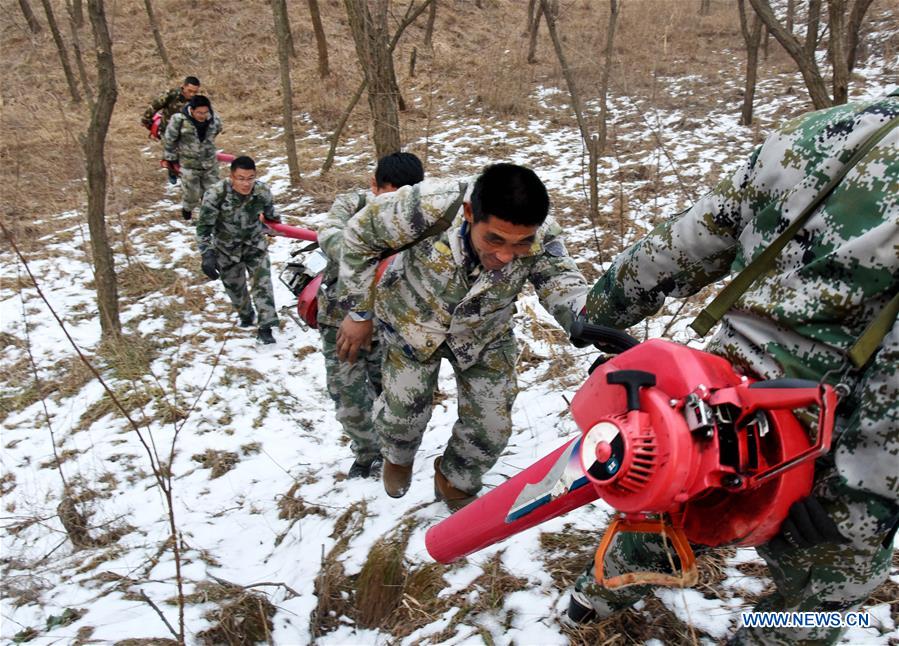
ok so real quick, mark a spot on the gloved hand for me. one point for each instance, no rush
(807, 525)
(210, 264)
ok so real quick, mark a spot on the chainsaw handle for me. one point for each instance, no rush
(607, 339)
(786, 394)
(289, 231)
(689, 574)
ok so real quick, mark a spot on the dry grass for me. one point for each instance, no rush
(219, 462)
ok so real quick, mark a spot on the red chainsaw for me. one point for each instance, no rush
(677, 442)
(303, 276)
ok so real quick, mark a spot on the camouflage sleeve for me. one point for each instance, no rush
(330, 234)
(867, 452)
(156, 105)
(171, 137)
(389, 221)
(209, 212)
(677, 258)
(560, 285)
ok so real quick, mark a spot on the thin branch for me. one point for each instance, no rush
(143, 595)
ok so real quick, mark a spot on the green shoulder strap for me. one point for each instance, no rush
(713, 312)
(863, 349)
(439, 226)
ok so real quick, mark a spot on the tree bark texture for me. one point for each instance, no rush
(282, 31)
(532, 33)
(791, 15)
(853, 31)
(77, 9)
(79, 59)
(369, 30)
(30, 18)
(429, 27)
(95, 156)
(803, 55)
(157, 37)
(61, 49)
(323, 70)
(837, 50)
(751, 37)
(606, 73)
(589, 141)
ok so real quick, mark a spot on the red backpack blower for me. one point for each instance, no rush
(677, 442)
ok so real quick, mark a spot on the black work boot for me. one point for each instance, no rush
(579, 609)
(365, 469)
(265, 336)
(248, 320)
(186, 214)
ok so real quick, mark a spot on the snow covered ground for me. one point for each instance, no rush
(261, 421)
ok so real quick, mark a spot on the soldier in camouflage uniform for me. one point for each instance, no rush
(233, 244)
(189, 140)
(170, 103)
(798, 320)
(451, 296)
(355, 386)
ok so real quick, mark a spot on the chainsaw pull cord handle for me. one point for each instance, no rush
(688, 576)
(633, 381)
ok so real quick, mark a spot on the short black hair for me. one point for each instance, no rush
(399, 169)
(200, 101)
(243, 163)
(512, 193)
(191, 80)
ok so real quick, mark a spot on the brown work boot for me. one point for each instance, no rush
(396, 478)
(454, 498)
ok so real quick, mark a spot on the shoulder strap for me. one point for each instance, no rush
(439, 226)
(713, 312)
(865, 346)
(360, 204)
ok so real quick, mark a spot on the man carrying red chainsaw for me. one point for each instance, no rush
(167, 104)
(471, 247)
(355, 386)
(823, 308)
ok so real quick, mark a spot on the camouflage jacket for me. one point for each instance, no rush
(826, 285)
(426, 296)
(330, 239)
(182, 144)
(229, 221)
(168, 103)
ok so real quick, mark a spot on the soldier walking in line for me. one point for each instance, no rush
(168, 104)
(832, 288)
(355, 386)
(451, 296)
(233, 244)
(189, 141)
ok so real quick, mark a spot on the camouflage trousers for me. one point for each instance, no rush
(823, 578)
(195, 182)
(354, 387)
(481, 432)
(253, 261)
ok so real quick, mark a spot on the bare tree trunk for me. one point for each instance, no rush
(705, 7)
(751, 39)
(79, 60)
(429, 28)
(376, 61)
(576, 104)
(321, 43)
(30, 18)
(791, 15)
(804, 56)
(766, 40)
(410, 17)
(282, 30)
(836, 49)
(532, 36)
(413, 57)
(606, 73)
(157, 36)
(853, 31)
(61, 49)
(94, 153)
(77, 11)
(532, 7)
